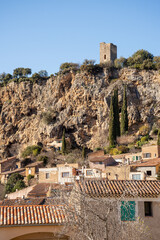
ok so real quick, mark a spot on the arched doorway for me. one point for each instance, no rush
(41, 236)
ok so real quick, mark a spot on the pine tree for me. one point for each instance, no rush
(124, 114)
(111, 124)
(158, 141)
(63, 142)
(116, 114)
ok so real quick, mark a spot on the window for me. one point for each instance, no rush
(136, 157)
(104, 56)
(148, 209)
(136, 176)
(47, 175)
(133, 158)
(146, 155)
(100, 162)
(89, 173)
(29, 171)
(65, 174)
(155, 154)
(149, 173)
(128, 210)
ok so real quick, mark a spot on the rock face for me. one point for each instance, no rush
(80, 102)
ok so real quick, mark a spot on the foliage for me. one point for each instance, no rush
(144, 130)
(111, 124)
(67, 67)
(156, 61)
(44, 159)
(116, 114)
(63, 142)
(124, 114)
(29, 177)
(120, 62)
(31, 150)
(14, 182)
(83, 152)
(47, 117)
(145, 139)
(119, 150)
(35, 77)
(43, 73)
(91, 68)
(21, 72)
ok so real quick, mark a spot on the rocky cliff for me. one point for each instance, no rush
(80, 102)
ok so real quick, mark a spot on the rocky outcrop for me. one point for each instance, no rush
(80, 102)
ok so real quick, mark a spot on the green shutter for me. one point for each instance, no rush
(128, 210)
(133, 158)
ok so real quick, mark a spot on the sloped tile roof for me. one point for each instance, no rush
(119, 188)
(149, 163)
(20, 202)
(32, 215)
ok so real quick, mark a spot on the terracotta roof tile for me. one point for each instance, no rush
(149, 163)
(32, 215)
(22, 202)
(118, 188)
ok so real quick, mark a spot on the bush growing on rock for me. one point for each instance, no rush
(144, 130)
(43, 159)
(31, 150)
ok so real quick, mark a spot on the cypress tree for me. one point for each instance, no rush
(83, 153)
(111, 124)
(116, 114)
(63, 142)
(124, 114)
(158, 140)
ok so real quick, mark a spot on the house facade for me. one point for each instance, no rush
(134, 200)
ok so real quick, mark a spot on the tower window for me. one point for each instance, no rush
(104, 56)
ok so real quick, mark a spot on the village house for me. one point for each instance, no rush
(150, 151)
(134, 198)
(119, 172)
(6, 175)
(62, 173)
(28, 222)
(145, 170)
(127, 158)
(8, 164)
(91, 173)
(33, 169)
(99, 160)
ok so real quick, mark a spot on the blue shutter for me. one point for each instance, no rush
(128, 210)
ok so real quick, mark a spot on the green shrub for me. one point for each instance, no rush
(123, 149)
(47, 117)
(144, 139)
(29, 177)
(44, 159)
(31, 150)
(14, 182)
(144, 130)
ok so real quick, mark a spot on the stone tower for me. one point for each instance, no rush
(108, 52)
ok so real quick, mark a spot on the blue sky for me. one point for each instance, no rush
(42, 34)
